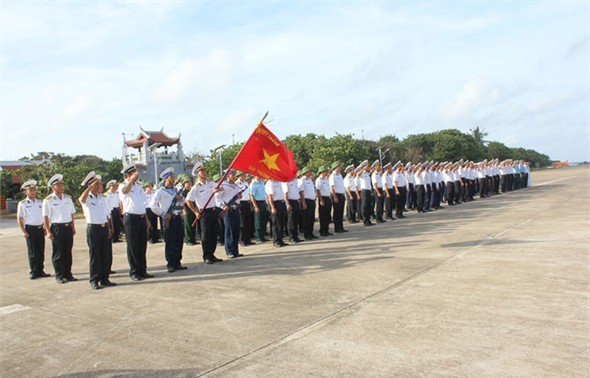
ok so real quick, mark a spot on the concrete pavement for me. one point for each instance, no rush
(494, 288)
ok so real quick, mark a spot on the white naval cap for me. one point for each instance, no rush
(198, 166)
(128, 168)
(90, 177)
(376, 163)
(408, 165)
(28, 184)
(386, 166)
(166, 172)
(111, 183)
(55, 179)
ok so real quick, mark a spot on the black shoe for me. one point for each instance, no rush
(295, 240)
(181, 267)
(279, 244)
(250, 243)
(135, 277)
(263, 240)
(380, 221)
(171, 270)
(107, 283)
(369, 224)
(43, 274)
(95, 286)
(209, 261)
(215, 259)
(146, 275)
(235, 255)
(61, 280)
(33, 276)
(112, 272)
(72, 279)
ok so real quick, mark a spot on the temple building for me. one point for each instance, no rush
(154, 151)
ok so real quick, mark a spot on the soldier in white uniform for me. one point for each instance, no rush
(167, 203)
(293, 203)
(337, 191)
(387, 182)
(200, 201)
(322, 184)
(135, 222)
(58, 209)
(378, 191)
(276, 202)
(113, 197)
(29, 216)
(351, 195)
(308, 191)
(97, 212)
(246, 215)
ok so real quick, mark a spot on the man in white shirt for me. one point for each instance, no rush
(309, 194)
(99, 231)
(135, 223)
(276, 201)
(337, 191)
(29, 216)
(58, 210)
(167, 204)
(322, 184)
(351, 195)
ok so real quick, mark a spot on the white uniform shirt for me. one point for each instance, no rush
(134, 201)
(96, 209)
(410, 177)
(162, 199)
(308, 188)
(275, 189)
(366, 181)
(387, 180)
(58, 210)
(418, 178)
(323, 185)
(292, 190)
(376, 179)
(31, 211)
(113, 199)
(337, 182)
(426, 179)
(245, 193)
(399, 179)
(148, 197)
(350, 183)
(230, 190)
(200, 193)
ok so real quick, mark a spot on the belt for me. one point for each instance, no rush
(135, 215)
(61, 224)
(34, 226)
(101, 225)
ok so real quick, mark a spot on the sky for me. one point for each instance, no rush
(77, 75)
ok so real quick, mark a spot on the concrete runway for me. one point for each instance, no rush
(494, 288)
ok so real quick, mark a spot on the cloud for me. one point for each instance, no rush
(475, 94)
(578, 47)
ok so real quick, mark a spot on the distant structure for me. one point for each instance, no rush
(154, 151)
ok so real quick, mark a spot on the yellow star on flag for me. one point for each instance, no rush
(270, 160)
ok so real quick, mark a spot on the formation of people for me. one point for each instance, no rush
(240, 211)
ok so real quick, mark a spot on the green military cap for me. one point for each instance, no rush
(239, 173)
(336, 164)
(216, 177)
(323, 169)
(306, 169)
(249, 177)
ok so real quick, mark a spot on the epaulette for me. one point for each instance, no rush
(48, 197)
(22, 200)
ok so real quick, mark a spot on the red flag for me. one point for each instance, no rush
(264, 155)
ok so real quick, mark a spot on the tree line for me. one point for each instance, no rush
(312, 150)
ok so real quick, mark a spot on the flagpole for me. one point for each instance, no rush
(232, 163)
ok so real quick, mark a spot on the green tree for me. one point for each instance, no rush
(478, 135)
(498, 150)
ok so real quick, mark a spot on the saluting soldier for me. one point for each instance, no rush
(58, 209)
(366, 192)
(135, 222)
(399, 185)
(113, 198)
(99, 230)
(188, 216)
(29, 216)
(337, 190)
(387, 182)
(351, 194)
(378, 189)
(167, 203)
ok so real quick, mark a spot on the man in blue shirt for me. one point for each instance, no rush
(258, 198)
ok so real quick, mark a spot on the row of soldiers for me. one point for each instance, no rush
(237, 210)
